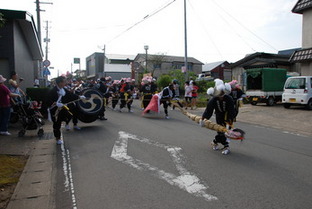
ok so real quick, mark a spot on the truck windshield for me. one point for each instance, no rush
(295, 83)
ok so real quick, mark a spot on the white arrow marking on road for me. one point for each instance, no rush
(186, 181)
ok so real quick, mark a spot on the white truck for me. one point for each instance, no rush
(298, 91)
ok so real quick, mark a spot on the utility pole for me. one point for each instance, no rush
(40, 64)
(104, 49)
(47, 40)
(185, 43)
(38, 20)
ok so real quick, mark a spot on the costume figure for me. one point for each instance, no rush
(102, 87)
(56, 99)
(126, 92)
(176, 89)
(166, 95)
(237, 94)
(223, 106)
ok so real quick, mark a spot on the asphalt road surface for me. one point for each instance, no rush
(130, 161)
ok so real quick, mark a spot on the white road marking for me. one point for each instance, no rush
(68, 183)
(187, 181)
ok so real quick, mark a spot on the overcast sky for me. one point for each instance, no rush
(217, 29)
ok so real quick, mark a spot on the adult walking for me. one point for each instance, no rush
(188, 94)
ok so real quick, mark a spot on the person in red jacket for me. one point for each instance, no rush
(194, 95)
(5, 106)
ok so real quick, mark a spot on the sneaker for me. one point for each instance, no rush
(167, 117)
(67, 127)
(120, 110)
(214, 146)
(103, 118)
(77, 128)
(130, 110)
(59, 141)
(5, 133)
(225, 150)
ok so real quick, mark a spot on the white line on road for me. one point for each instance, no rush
(68, 183)
(187, 181)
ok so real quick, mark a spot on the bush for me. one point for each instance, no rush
(163, 81)
(204, 85)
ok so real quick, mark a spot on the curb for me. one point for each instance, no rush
(36, 188)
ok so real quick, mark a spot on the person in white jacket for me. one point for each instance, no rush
(188, 94)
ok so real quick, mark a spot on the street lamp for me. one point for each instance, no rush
(146, 48)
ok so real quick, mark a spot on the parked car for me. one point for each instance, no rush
(298, 91)
(203, 77)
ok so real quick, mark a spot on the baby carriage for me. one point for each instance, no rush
(28, 113)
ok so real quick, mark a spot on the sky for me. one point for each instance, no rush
(217, 30)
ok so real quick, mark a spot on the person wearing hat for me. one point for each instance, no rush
(114, 93)
(5, 106)
(237, 94)
(126, 91)
(223, 105)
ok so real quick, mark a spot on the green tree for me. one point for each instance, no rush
(163, 81)
(180, 77)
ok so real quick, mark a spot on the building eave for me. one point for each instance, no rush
(301, 6)
(26, 22)
(303, 55)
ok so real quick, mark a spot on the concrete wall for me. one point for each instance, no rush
(24, 64)
(306, 68)
(307, 29)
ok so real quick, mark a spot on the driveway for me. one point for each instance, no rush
(294, 120)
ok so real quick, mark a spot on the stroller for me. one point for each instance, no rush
(28, 113)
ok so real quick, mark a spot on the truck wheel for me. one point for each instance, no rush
(286, 105)
(270, 101)
(309, 105)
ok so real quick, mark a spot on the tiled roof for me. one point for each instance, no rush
(301, 55)
(302, 5)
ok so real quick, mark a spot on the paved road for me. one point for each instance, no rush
(131, 161)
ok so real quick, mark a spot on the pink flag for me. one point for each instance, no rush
(153, 105)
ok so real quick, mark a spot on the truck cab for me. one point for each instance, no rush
(298, 91)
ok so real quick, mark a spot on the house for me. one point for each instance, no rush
(116, 66)
(304, 55)
(20, 49)
(162, 64)
(261, 60)
(218, 70)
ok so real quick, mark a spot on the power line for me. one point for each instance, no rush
(145, 18)
(244, 26)
(205, 29)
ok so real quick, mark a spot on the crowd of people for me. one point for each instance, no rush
(119, 95)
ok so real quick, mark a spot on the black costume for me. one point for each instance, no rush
(146, 90)
(104, 90)
(236, 94)
(224, 110)
(64, 114)
(167, 94)
(114, 93)
(126, 95)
